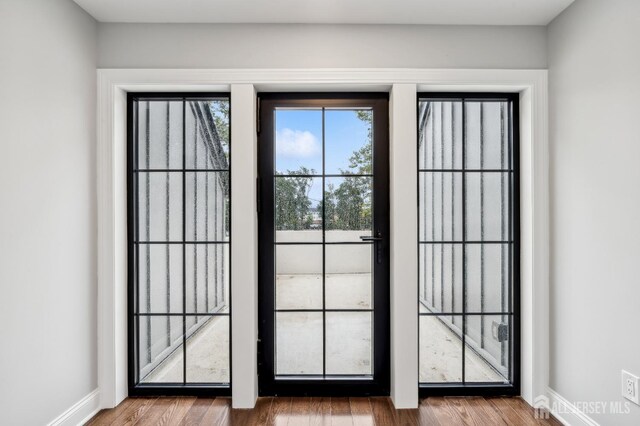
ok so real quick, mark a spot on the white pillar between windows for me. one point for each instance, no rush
(404, 234)
(244, 247)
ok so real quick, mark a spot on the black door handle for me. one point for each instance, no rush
(377, 238)
(370, 238)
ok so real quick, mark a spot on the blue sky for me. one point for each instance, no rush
(299, 142)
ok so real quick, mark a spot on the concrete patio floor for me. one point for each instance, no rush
(299, 338)
(207, 356)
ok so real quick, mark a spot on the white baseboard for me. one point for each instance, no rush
(80, 412)
(567, 413)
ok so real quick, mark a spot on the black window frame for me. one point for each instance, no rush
(168, 389)
(481, 388)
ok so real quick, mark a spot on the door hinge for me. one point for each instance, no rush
(259, 357)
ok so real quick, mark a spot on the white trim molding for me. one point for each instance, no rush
(113, 84)
(566, 412)
(80, 412)
(244, 246)
(403, 187)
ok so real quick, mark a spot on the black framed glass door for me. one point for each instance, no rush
(324, 244)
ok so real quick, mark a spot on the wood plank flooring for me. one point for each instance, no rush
(476, 411)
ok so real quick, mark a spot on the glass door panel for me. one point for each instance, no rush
(323, 233)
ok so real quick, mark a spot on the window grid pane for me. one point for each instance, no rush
(181, 240)
(465, 253)
(323, 204)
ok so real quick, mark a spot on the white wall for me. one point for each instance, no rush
(320, 46)
(594, 70)
(341, 259)
(48, 209)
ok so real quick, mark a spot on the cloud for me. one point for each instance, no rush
(296, 143)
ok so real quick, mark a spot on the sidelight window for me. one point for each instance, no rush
(179, 238)
(468, 239)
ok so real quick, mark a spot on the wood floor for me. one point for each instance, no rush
(320, 411)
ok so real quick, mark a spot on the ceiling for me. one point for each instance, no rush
(443, 12)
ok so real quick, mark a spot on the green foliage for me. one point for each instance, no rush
(350, 203)
(220, 112)
(328, 205)
(293, 206)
